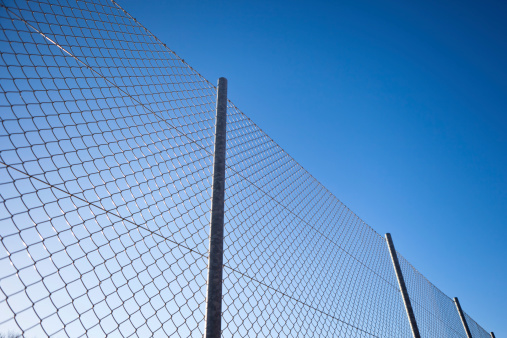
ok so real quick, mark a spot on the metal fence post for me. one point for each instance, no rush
(492, 335)
(462, 316)
(216, 240)
(403, 288)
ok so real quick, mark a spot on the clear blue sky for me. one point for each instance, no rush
(399, 108)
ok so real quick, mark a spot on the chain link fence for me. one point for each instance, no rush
(106, 160)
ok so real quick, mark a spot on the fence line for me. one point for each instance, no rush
(106, 154)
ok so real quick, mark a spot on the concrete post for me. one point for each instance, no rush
(462, 316)
(216, 241)
(403, 288)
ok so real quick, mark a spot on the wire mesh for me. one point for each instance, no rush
(475, 329)
(105, 176)
(106, 153)
(435, 312)
(290, 239)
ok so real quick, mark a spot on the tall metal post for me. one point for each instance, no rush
(492, 335)
(403, 288)
(216, 240)
(462, 316)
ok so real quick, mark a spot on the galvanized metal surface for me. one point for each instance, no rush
(403, 287)
(216, 240)
(462, 316)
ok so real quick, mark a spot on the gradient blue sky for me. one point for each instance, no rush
(398, 107)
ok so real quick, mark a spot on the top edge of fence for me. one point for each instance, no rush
(249, 119)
